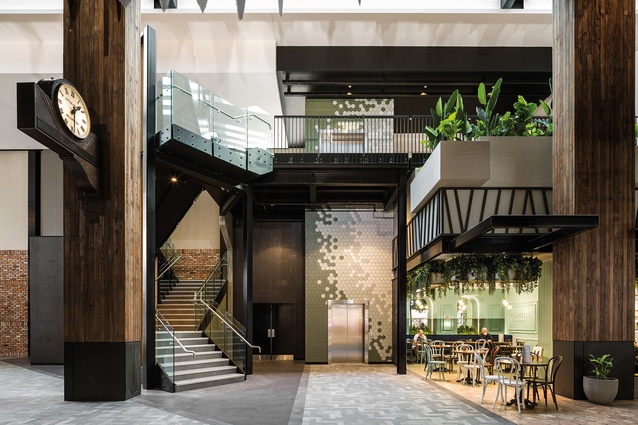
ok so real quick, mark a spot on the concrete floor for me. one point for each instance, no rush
(288, 392)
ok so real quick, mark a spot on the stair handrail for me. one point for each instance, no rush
(167, 268)
(230, 326)
(162, 320)
(221, 111)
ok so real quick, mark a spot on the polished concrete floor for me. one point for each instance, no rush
(287, 392)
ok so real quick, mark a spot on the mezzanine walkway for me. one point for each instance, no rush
(282, 393)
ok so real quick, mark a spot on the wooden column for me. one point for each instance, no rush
(102, 235)
(594, 174)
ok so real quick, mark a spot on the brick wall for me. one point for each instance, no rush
(196, 264)
(14, 298)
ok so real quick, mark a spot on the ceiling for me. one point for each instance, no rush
(238, 60)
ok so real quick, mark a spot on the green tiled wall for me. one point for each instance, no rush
(348, 256)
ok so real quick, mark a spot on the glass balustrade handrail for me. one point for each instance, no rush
(162, 321)
(198, 299)
(170, 265)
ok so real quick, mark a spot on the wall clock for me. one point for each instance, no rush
(54, 113)
(69, 105)
(72, 109)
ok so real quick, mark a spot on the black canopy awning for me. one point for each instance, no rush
(506, 233)
(547, 230)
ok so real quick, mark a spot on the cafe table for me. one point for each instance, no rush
(532, 366)
(468, 353)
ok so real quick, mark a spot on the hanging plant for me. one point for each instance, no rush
(478, 272)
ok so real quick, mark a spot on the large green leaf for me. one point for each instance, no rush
(546, 108)
(496, 90)
(449, 105)
(439, 108)
(482, 98)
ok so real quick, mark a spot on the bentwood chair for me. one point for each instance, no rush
(451, 356)
(547, 382)
(464, 356)
(485, 379)
(432, 364)
(472, 367)
(508, 372)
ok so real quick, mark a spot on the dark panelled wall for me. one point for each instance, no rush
(278, 272)
(46, 303)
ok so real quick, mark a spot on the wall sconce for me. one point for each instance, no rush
(507, 304)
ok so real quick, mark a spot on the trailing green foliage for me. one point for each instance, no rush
(475, 272)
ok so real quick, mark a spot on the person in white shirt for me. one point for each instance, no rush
(418, 341)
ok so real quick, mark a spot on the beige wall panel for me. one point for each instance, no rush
(14, 223)
(199, 229)
(52, 218)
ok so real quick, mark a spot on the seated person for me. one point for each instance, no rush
(485, 334)
(418, 341)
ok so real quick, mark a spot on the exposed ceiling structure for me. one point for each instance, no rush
(238, 59)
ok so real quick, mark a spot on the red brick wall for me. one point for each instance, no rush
(196, 264)
(14, 298)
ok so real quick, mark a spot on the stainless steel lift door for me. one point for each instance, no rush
(347, 332)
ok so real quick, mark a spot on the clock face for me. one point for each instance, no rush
(73, 111)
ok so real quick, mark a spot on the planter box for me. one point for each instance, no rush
(520, 162)
(451, 164)
(494, 162)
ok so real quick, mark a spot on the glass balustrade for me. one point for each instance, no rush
(240, 136)
(165, 347)
(215, 321)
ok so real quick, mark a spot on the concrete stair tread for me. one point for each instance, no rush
(211, 381)
(197, 347)
(181, 354)
(203, 362)
(215, 369)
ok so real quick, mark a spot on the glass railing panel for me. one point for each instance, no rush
(230, 124)
(260, 129)
(185, 103)
(165, 347)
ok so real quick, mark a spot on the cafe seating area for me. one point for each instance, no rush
(508, 376)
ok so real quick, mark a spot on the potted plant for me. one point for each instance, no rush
(600, 388)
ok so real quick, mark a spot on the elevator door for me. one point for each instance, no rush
(347, 344)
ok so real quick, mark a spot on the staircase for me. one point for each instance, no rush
(177, 306)
(207, 369)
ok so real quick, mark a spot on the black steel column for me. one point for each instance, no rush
(148, 208)
(35, 193)
(402, 228)
(248, 275)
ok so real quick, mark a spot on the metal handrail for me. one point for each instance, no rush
(230, 326)
(163, 322)
(171, 264)
(218, 109)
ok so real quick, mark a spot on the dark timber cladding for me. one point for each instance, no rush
(594, 174)
(102, 235)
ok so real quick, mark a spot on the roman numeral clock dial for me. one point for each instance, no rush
(72, 110)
